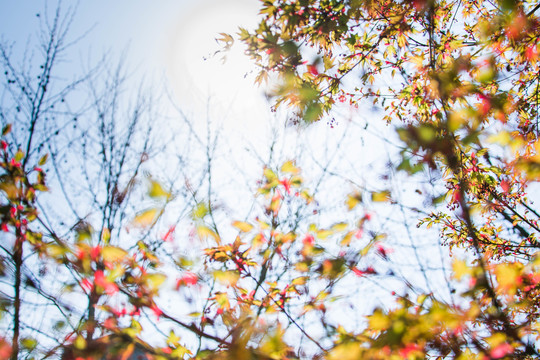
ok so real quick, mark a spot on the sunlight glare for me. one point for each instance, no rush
(200, 74)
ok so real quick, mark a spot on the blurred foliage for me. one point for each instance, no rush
(459, 80)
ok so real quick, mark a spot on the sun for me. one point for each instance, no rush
(200, 73)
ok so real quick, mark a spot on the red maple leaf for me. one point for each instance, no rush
(312, 69)
(188, 278)
(100, 280)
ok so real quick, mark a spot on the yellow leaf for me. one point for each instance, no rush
(154, 281)
(346, 351)
(269, 174)
(339, 226)
(200, 211)
(296, 181)
(299, 280)
(323, 234)
(242, 226)
(155, 190)
(203, 232)
(508, 277)
(536, 157)
(55, 250)
(225, 38)
(353, 200)
(347, 238)
(263, 225)
(302, 267)
(145, 218)
(418, 61)
(275, 204)
(79, 343)
(289, 167)
(116, 272)
(258, 240)
(380, 196)
(106, 235)
(496, 339)
(306, 196)
(501, 137)
(228, 278)
(457, 119)
(113, 253)
(10, 190)
(222, 300)
(273, 345)
(173, 339)
(461, 269)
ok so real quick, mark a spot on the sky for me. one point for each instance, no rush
(171, 43)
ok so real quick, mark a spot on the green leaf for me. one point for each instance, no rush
(19, 155)
(6, 130)
(43, 159)
(29, 343)
(59, 325)
(426, 133)
(314, 110)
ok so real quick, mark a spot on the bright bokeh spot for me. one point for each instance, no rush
(200, 73)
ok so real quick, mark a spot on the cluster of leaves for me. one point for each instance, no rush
(18, 211)
(280, 272)
(274, 276)
(104, 273)
(463, 78)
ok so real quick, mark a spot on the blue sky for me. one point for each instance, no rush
(160, 38)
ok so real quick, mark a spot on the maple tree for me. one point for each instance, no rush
(462, 77)
(458, 80)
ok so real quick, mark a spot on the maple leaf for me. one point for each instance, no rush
(312, 69)
(100, 280)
